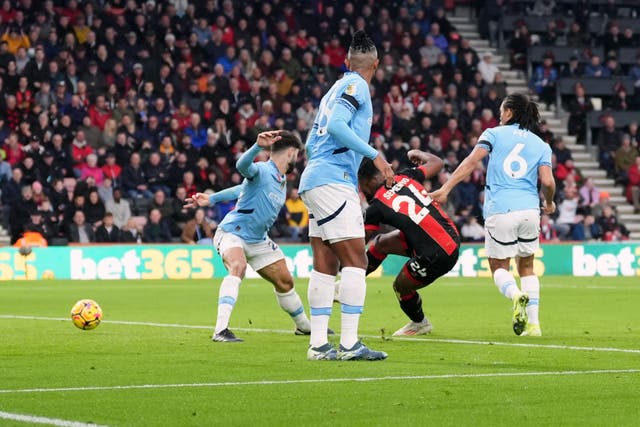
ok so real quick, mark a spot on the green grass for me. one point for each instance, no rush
(599, 312)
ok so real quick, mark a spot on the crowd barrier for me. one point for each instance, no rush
(202, 262)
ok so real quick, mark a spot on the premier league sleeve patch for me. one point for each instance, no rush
(350, 90)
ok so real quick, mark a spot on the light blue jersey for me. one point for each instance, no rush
(340, 134)
(261, 198)
(512, 173)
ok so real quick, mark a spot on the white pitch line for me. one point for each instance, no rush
(324, 380)
(44, 420)
(410, 339)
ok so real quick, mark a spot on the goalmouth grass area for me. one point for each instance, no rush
(152, 362)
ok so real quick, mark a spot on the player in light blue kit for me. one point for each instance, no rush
(517, 158)
(329, 188)
(242, 238)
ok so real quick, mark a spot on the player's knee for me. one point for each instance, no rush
(401, 288)
(237, 268)
(284, 284)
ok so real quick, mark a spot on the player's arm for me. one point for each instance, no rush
(427, 163)
(548, 188)
(463, 170)
(202, 199)
(338, 128)
(245, 164)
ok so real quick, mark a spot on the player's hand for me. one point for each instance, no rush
(548, 209)
(439, 196)
(416, 157)
(267, 139)
(198, 199)
(385, 168)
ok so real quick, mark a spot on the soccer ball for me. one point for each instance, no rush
(86, 314)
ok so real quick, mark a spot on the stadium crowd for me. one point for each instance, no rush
(112, 114)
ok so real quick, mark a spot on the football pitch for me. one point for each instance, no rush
(152, 363)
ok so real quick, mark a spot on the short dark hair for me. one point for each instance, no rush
(288, 139)
(361, 43)
(367, 169)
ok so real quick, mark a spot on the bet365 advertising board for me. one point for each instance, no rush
(202, 262)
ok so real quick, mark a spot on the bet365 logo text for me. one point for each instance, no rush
(623, 262)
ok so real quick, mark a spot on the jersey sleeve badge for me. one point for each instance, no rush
(350, 90)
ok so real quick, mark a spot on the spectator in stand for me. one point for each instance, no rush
(471, 230)
(134, 182)
(99, 113)
(634, 132)
(94, 209)
(589, 196)
(568, 169)
(578, 108)
(161, 203)
(568, 216)
(545, 134)
(196, 131)
(595, 69)
(298, 216)
(111, 170)
(80, 150)
(105, 191)
(612, 66)
(633, 187)
(91, 169)
(576, 37)
(544, 80)
(619, 101)
(547, 231)
(197, 230)
(131, 232)
(572, 69)
(181, 214)
(156, 174)
(612, 230)
(156, 231)
(79, 230)
(560, 150)
(624, 158)
(487, 119)
(108, 232)
(487, 68)
(608, 141)
(612, 40)
(519, 47)
(449, 133)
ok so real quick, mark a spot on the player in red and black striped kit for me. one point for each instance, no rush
(424, 233)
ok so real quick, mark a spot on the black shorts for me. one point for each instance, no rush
(426, 268)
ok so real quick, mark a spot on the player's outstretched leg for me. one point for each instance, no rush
(227, 297)
(236, 264)
(405, 287)
(531, 286)
(278, 274)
